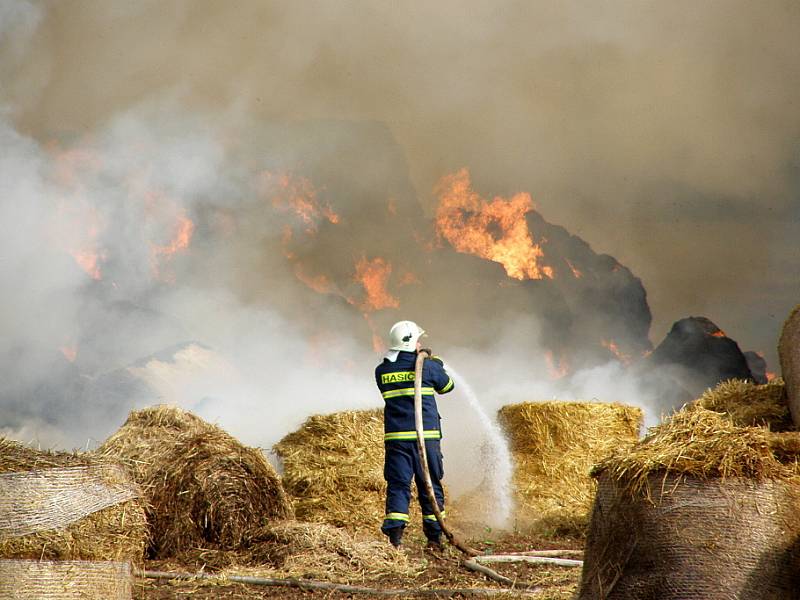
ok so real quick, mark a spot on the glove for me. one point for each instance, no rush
(428, 350)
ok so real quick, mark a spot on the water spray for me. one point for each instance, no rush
(500, 467)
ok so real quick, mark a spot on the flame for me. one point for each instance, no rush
(771, 375)
(719, 333)
(612, 346)
(75, 214)
(89, 261)
(374, 276)
(495, 230)
(319, 283)
(181, 239)
(575, 271)
(298, 196)
(69, 352)
(556, 369)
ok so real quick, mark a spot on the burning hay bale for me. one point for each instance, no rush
(555, 445)
(700, 508)
(749, 405)
(61, 506)
(204, 488)
(333, 469)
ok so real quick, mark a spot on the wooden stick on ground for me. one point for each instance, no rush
(334, 587)
(545, 560)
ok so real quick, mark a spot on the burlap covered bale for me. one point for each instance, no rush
(67, 506)
(554, 445)
(205, 489)
(789, 356)
(693, 538)
(747, 404)
(65, 580)
(700, 508)
(333, 469)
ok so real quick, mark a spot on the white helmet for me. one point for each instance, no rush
(404, 335)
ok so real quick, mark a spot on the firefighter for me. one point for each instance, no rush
(395, 379)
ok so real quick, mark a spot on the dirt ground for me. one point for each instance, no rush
(441, 571)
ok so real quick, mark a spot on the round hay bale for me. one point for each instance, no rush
(65, 580)
(65, 506)
(205, 489)
(688, 538)
(700, 508)
(333, 469)
(749, 405)
(789, 356)
(555, 445)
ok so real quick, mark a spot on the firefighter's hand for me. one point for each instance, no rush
(427, 350)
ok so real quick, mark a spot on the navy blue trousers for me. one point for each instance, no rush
(402, 463)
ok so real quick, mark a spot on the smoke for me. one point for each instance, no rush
(663, 134)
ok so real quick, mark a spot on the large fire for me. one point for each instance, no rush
(495, 230)
(374, 276)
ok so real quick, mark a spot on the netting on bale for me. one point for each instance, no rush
(204, 488)
(700, 508)
(65, 506)
(333, 469)
(554, 446)
(65, 580)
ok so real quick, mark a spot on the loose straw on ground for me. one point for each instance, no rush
(335, 587)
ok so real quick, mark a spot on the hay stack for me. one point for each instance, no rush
(555, 445)
(333, 469)
(789, 356)
(65, 580)
(700, 508)
(62, 506)
(747, 404)
(318, 550)
(205, 489)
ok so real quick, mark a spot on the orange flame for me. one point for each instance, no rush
(611, 345)
(771, 375)
(575, 271)
(374, 276)
(319, 283)
(69, 352)
(556, 369)
(298, 195)
(495, 230)
(180, 241)
(719, 333)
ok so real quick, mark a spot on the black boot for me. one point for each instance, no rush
(396, 537)
(435, 543)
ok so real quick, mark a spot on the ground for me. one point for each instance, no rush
(441, 571)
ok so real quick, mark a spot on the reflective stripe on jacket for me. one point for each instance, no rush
(396, 382)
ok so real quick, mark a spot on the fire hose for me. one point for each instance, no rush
(421, 355)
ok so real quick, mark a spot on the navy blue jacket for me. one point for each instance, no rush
(396, 382)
